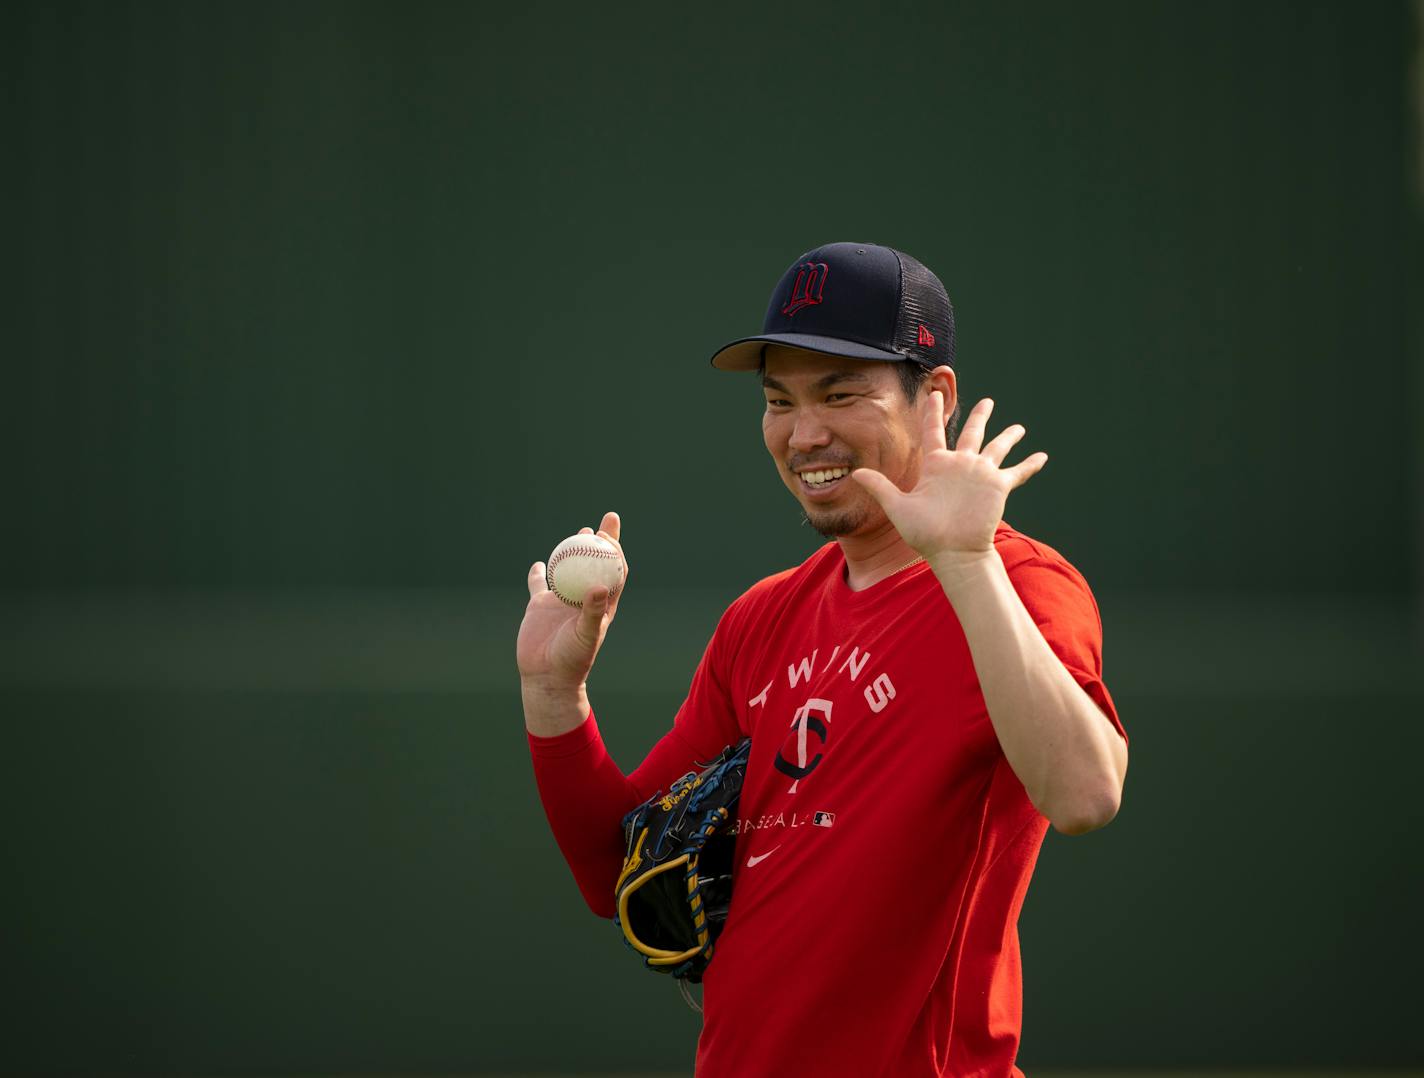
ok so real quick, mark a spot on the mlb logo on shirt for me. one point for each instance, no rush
(823, 819)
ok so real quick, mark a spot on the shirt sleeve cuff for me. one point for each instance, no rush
(1098, 692)
(571, 743)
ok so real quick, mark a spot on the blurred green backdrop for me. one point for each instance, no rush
(324, 320)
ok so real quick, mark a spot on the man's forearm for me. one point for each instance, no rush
(1064, 750)
(584, 795)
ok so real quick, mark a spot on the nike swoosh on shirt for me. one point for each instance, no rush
(752, 862)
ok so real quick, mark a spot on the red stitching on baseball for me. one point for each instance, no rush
(596, 551)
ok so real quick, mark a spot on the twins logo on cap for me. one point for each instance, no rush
(809, 286)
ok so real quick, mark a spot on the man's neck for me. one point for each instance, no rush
(872, 557)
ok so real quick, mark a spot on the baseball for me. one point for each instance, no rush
(581, 562)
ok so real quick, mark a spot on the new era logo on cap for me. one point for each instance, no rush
(858, 300)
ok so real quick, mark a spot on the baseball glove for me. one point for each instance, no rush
(676, 882)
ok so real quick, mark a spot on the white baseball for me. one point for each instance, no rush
(580, 562)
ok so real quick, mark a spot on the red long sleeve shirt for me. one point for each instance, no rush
(884, 846)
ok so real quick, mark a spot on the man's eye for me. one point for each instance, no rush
(837, 396)
(777, 402)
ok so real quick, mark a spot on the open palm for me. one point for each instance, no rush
(959, 500)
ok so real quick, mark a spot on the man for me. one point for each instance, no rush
(924, 697)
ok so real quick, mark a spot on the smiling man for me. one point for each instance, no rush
(923, 694)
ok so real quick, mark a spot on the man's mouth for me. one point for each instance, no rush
(818, 480)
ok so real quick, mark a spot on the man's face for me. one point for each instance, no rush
(826, 416)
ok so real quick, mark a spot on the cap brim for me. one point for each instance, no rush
(745, 355)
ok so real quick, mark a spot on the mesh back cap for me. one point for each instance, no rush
(858, 300)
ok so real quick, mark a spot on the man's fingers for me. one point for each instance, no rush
(611, 528)
(972, 436)
(590, 622)
(537, 580)
(999, 448)
(933, 432)
(585, 530)
(880, 488)
(613, 538)
(1025, 470)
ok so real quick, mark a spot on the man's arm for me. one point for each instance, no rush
(584, 792)
(1066, 752)
(1070, 759)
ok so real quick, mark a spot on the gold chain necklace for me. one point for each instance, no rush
(917, 557)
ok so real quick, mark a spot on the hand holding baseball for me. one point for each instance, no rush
(959, 500)
(558, 640)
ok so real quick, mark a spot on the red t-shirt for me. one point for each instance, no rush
(885, 844)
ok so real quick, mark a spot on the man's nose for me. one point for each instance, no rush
(809, 433)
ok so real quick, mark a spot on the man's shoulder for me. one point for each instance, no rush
(1016, 549)
(774, 589)
(1033, 564)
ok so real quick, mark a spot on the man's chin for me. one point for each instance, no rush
(836, 523)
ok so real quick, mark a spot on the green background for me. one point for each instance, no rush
(323, 321)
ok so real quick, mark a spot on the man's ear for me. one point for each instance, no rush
(942, 378)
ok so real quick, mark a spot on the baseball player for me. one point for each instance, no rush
(923, 694)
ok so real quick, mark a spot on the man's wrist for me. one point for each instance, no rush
(961, 570)
(553, 709)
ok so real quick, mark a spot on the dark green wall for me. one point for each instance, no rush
(340, 294)
(321, 321)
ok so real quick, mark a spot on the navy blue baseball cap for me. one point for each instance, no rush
(858, 300)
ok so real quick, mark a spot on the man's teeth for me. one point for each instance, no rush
(817, 479)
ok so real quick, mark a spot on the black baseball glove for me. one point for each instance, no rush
(676, 882)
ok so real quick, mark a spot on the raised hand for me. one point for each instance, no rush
(558, 643)
(959, 500)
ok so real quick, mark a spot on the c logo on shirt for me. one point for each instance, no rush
(803, 724)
